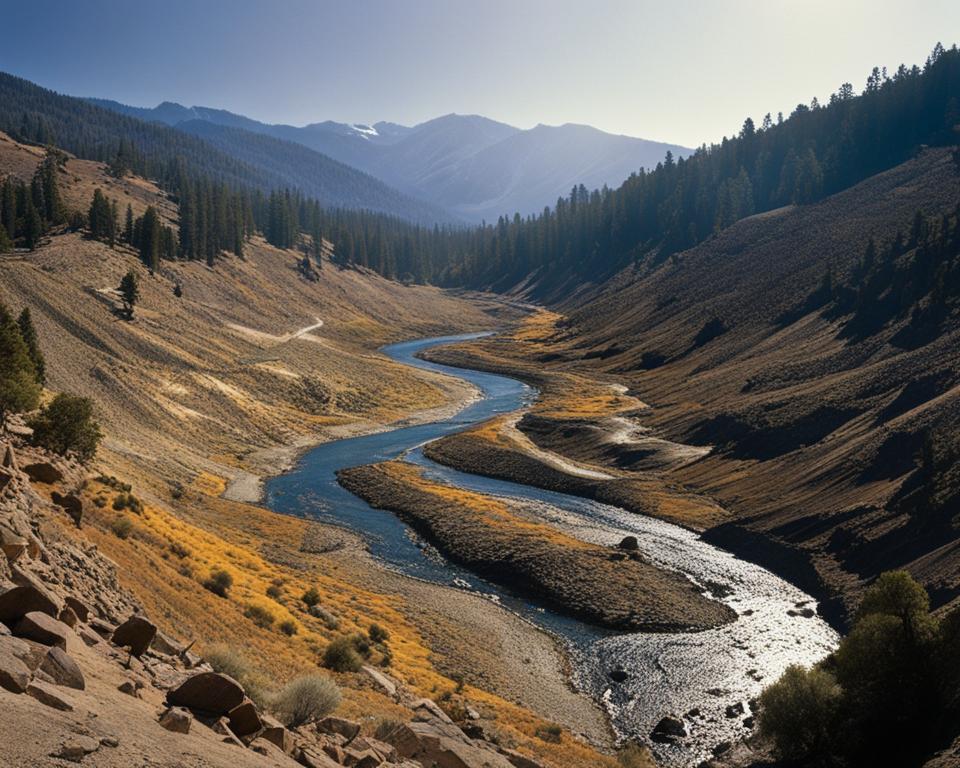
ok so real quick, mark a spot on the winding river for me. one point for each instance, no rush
(708, 678)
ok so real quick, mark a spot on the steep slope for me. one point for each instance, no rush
(808, 436)
(474, 167)
(207, 391)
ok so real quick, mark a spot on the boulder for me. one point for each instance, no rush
(668, 730)
(89, 637)
(629, 544)
(71, 503)
(103, 628)
(78, 747)
(43, 472)
(444, 745)
(734, 710)
(210, 693)
(361, 759)
(62, 669)
(274, 732)
(68, 617)
(244, 719)
(387, 684)
(312, 758)
(50, 695)
(338, 725)
(131, 688)
(14, 673)
(22, 599)
(426, 710)
(12, 545)
(9, 458)
(618, 675)
(266, 748)
(43, 629)
(222, 726)
(136, 633)
(167, 645)
(176, 719)
(78, 607)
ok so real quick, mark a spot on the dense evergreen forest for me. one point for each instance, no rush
(817, 150)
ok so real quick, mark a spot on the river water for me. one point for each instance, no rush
(708, 678)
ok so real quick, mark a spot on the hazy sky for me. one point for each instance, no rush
(683, 71)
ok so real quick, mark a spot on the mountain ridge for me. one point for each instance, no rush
(473, 166)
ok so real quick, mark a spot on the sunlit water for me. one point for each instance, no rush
(705, 672)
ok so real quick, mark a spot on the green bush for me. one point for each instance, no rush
(551, 733)
(288, 627)
(341, 655)
(67, 425)
(306, 699)
(259, 616)
(311, 597)
(378, 634)
(799, 712)
(219, 582)
(122, 527)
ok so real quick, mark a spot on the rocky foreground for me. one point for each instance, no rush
(86, 677)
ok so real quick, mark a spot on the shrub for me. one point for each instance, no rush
(329, 620)
(67, 425)
(120, 501)
(306, 699)
(274, 591)
(179, 549)
(385, 727)
(341, 655)
(288, 627)
(798, 712)
(231, 661)
(100, 502)
(219, 582)
(378, 634)
(259, 616)
(311, 597)
(362, 644)
(121, 527)
(633, 755)
(551, 733)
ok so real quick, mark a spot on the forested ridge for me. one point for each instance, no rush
(817, 150)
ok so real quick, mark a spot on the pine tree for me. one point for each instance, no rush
(128, 226)
(29, 334)
(129, 292)
(19, 385)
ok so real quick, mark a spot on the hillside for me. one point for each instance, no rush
(811, 435)
(202, 394)
(473, 167)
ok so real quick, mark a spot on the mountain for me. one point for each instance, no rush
(230, 154)
(474, 167)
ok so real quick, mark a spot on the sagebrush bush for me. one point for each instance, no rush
(551, 733)
(378, 634)
(341, 655)
(329, 620)
(259, 615)
(231, 661)
(219, 582)
(121, 527)
(311, 597)
(288, 627)
(306, 699)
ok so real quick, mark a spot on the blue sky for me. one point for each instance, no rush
(683, 71)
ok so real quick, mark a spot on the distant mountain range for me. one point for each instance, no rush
(473, 167)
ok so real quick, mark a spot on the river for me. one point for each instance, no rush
(706, 677)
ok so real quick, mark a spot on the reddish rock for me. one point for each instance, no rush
(311, 758)
(43, 472)
(14, 673)
(22, 599)
(244, 719)
(50, 695)
(136, 633)
(68, 617)
(78, 747)
(210, 693)
(43, 629)
(78, 607)
(176, 719)
(71, 503)
(62, 669)
(276, 734)
(346, 728)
